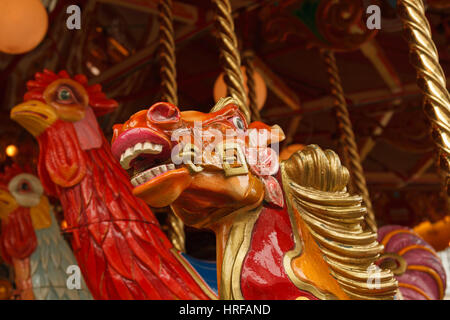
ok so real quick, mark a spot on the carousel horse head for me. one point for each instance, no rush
(204, 165)
(274, 222)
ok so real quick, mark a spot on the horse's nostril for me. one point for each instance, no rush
(163, 112)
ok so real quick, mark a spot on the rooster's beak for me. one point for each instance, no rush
(34, 116)
(7, 204)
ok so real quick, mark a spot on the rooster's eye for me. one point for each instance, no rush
(64, 95)
(25, 187)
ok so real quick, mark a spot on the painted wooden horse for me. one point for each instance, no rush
(301, 242)
(283, 231)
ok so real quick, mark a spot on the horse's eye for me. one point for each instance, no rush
(239, 123)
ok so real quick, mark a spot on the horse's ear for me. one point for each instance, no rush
(222, 103)
(274, 133)
(117, 128)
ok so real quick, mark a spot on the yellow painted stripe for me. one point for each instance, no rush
(432, 273)
(417, 246)
(412, 287)
(395, 232)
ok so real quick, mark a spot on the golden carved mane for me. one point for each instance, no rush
(222, 103)
(317, 186)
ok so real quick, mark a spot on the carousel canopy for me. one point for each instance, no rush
(117, 47)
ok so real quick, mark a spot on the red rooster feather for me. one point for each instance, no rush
(117, 240)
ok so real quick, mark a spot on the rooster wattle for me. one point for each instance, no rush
(121, 250)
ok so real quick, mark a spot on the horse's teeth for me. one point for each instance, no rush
(149, 174)
(151, 148)
(126, 158)
(147, 145)
(128, 152)
(138, 146)
(133, 152)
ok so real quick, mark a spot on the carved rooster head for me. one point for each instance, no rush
(60, 111)
(23, 209)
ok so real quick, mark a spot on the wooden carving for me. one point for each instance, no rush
(119, 246)
(31, 240)
(288, 231)
(337, 25)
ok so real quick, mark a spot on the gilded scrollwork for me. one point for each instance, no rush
(336, 25)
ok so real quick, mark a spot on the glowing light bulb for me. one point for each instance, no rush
(23, 25)
(11, 150)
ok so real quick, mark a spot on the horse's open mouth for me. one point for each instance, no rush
(145, 161)
(143, 153)
(147, 158)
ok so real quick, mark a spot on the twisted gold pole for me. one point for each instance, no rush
(250, 73)
(229, 53)
(348, 137)
(430, 78)
(343, 152)
(167, 53)
(169, 94)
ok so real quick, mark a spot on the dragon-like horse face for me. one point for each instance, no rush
(204, 165)
(283, 231)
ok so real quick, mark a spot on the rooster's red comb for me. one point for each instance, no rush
(12, 171)
(97, 98)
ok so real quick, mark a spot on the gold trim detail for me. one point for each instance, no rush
(222, 103)
(237, 246)
(394, 262)
(197, 278)
(316, 182)
(234, 163)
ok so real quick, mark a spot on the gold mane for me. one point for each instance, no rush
(316, 183)
(222, 103)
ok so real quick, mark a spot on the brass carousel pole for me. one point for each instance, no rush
(430, 79)
(248, 57)
(348, 137)
(169, 94)
(229, 53)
